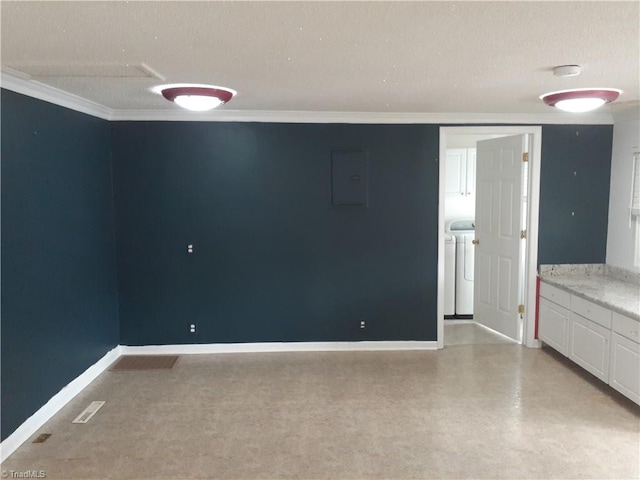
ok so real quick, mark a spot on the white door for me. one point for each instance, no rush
(498, 243)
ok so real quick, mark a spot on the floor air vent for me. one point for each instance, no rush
(43, 437)
(145, 362)
(88, 412)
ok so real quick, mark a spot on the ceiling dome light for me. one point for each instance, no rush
(580, 99)
(198, 98)
(197, 103)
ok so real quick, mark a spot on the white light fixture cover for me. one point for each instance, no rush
(581, 99)
(197, 103)
(196, 97)
(579, 105)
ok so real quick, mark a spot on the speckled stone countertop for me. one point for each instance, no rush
(611, 287)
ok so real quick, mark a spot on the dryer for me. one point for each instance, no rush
(464, 232)
(449, 274)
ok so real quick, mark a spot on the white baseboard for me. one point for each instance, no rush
(53, 406)
(200, 348)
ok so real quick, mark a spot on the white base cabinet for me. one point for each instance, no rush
(589, 346)
(624, 369)
(603, 342)
(553, 325)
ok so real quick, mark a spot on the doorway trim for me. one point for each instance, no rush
(531, 261)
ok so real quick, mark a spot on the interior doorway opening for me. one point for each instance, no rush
(457, 220)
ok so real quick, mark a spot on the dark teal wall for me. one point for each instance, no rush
(273, 260)
(574, 193)
(59, 295)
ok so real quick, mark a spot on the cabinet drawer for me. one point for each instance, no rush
(590, 310)
(625, 326)
(556, 295)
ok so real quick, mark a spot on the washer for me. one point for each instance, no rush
(464, 232)
(449, 274)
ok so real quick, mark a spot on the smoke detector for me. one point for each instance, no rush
(567, 71)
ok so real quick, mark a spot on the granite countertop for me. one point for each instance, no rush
(611, 287)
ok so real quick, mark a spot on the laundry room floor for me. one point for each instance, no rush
(468, 332)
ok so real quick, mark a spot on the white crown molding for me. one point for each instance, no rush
(55, 403)
(204, 348)
(38, 90)
(53, 95)
(223, 115)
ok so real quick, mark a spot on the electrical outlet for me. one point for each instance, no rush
(363, 325)
(190, 248)
(192, 328)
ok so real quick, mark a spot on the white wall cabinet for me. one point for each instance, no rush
(460, 178)
(603, 342)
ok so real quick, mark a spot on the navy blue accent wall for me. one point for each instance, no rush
(59, 293)
(273, 259)
(574, 193)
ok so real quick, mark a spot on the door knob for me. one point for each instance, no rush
(475, 241)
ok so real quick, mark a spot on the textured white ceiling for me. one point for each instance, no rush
(383, 56)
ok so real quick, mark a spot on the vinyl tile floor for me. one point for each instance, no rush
(466, 412)
(468, 332)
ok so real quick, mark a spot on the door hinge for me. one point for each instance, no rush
(523, 234)
(525, 157)
(520, 308)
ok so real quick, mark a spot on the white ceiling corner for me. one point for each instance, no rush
(53, 95)
(42, 71)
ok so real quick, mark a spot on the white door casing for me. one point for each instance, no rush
(531, 258)
(498, 280)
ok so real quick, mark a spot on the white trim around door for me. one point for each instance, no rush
(531, 262)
